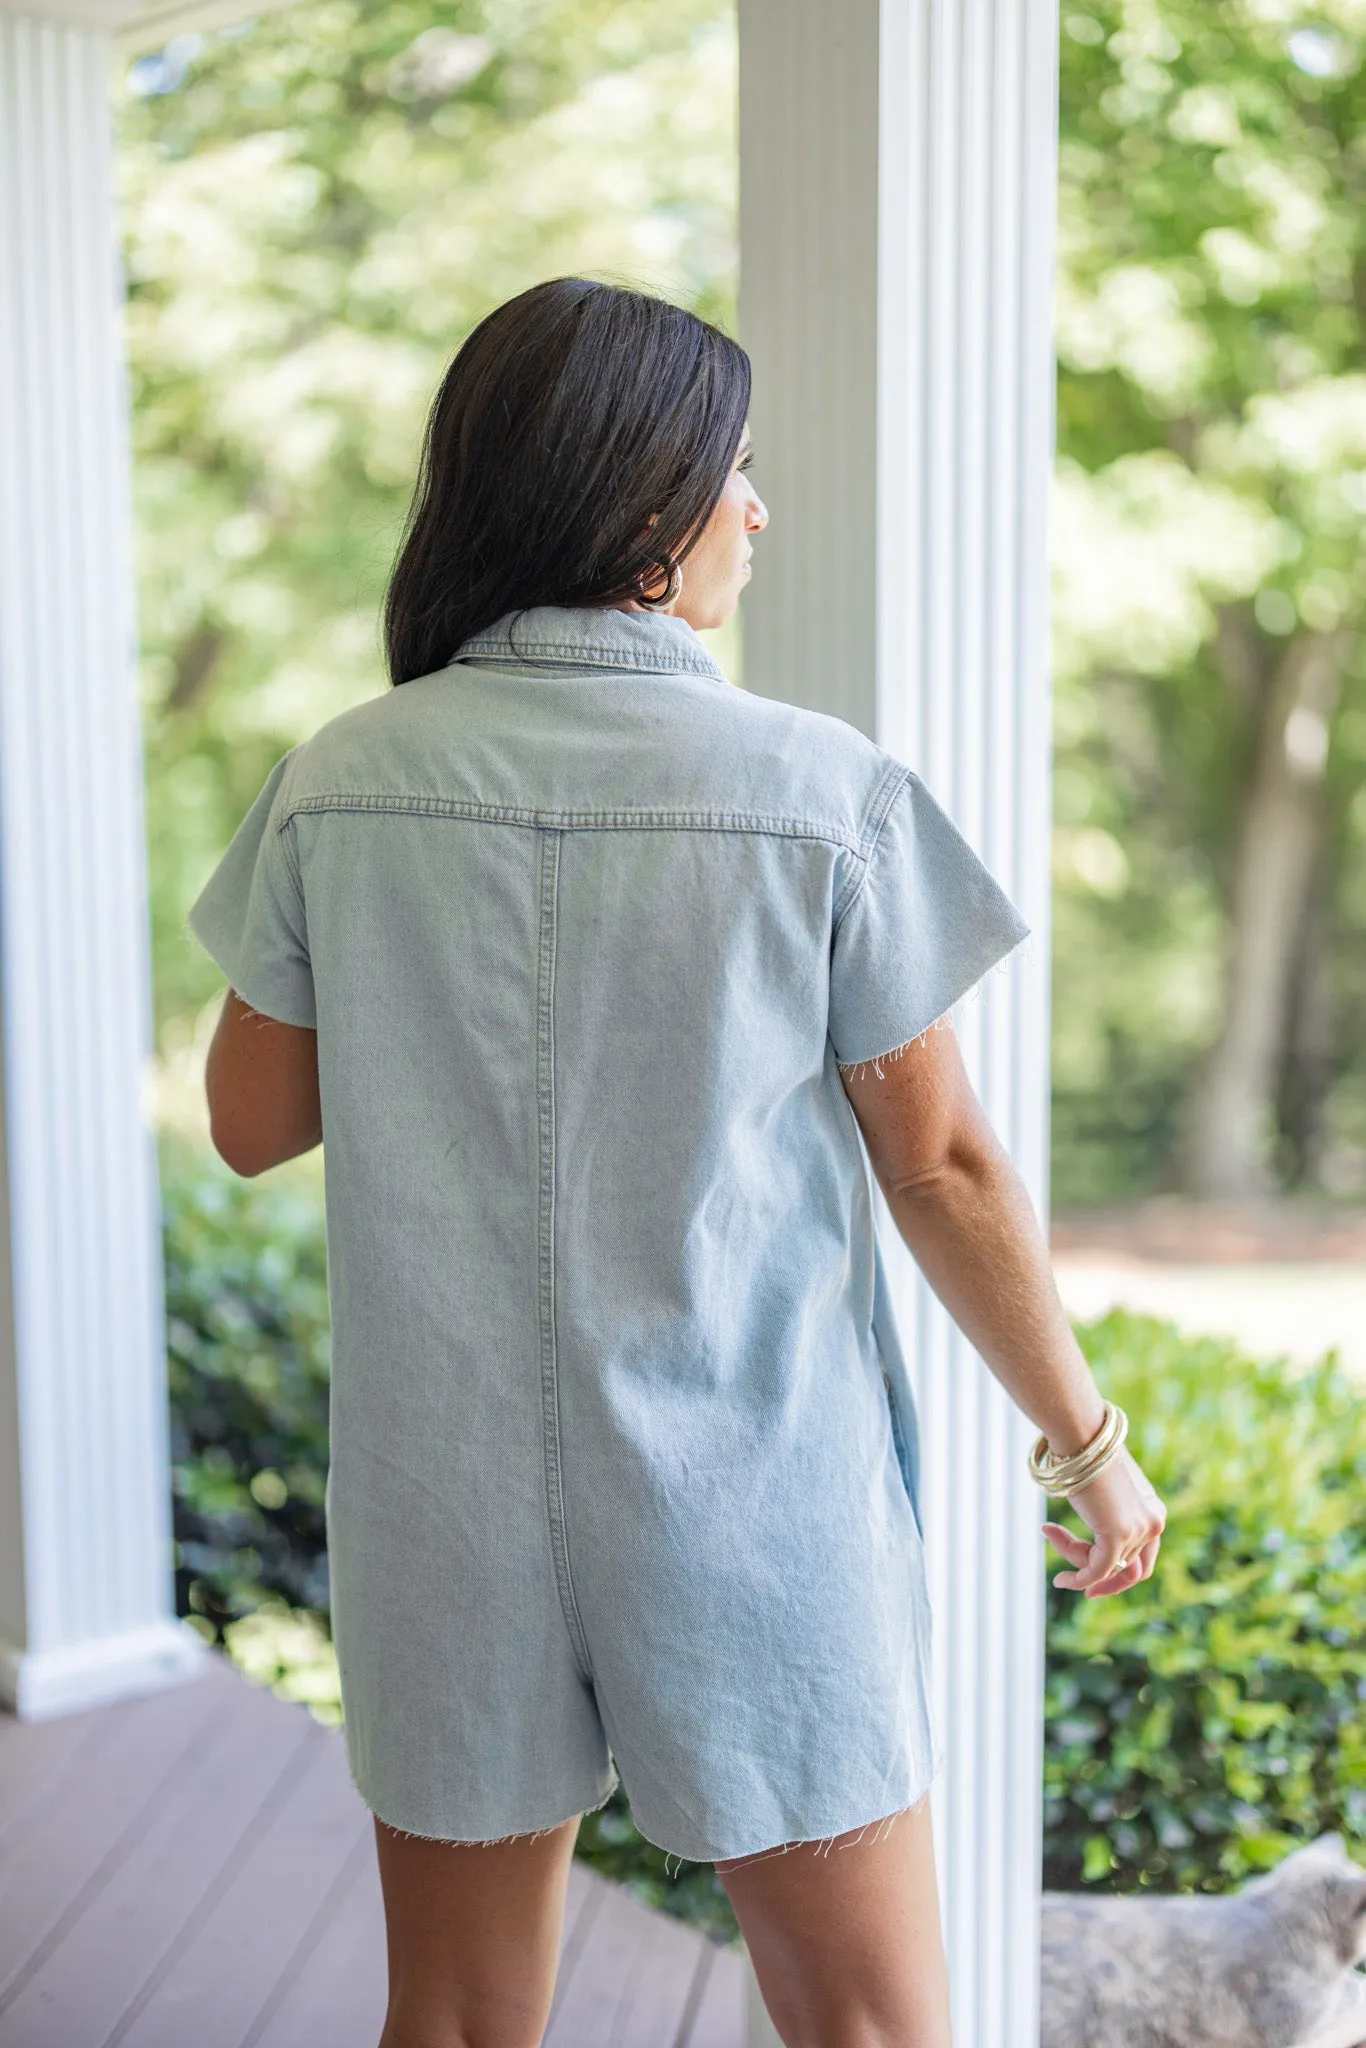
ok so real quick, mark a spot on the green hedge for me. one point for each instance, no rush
(248, 1351)
(1196, 1727)
(1202, 1724)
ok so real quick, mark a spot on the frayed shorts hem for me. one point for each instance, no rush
(532, 1832)
(818, 1836)
(821, 1845)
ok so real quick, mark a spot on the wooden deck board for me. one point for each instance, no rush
(67, 1848)
(265, 1911)
(31, 1770)
(577, 1894)
(599, 1989)
(720, 2020)
(196, 1868)
(87, 1980)
(338, 1995)
(658, 1993)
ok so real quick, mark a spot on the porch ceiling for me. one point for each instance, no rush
(142, 24)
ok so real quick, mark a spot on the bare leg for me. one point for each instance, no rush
(474, 1937)
(845, 1937)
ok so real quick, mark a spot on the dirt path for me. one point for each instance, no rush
(1284, 1280)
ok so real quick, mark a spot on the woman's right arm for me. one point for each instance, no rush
(963, 1211)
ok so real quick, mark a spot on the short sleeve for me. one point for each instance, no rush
(925, 923)
(249, 916)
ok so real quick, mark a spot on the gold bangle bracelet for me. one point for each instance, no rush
(1076, 1482)
(1062, 1477)
(1066, 1476)
(1069, 1475)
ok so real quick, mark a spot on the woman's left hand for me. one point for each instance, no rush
(1127, 1518)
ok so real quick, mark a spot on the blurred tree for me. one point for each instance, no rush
(317, 208)
(320, 205)
(1211, 582)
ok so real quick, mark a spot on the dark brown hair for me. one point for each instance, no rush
(570, 416)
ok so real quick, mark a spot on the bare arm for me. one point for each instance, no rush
(261, 1079)
(962, 1209)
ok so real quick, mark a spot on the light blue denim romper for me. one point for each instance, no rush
(623, 1441)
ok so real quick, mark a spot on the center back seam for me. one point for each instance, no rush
(545, 1119)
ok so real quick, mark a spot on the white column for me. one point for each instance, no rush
(85, 1565)
(897, 206)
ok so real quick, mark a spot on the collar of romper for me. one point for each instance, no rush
(592, 636)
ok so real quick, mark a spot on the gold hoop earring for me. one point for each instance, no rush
(672, 590)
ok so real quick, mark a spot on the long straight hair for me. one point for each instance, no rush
(579, 442)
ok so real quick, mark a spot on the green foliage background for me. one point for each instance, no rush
(1207, 525)
(319, 206)
(1209, 1720)
(316, 210)
(248, 1355)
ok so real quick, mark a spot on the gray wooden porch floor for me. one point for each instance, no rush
(195, 1870)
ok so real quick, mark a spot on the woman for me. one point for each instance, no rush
(587, 962)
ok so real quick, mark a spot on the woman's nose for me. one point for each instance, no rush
(757, 517)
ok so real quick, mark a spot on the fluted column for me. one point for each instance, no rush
(85, 1562)
(897, 206)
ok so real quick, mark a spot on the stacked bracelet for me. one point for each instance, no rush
(1066, 1476)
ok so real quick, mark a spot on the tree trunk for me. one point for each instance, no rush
(1230, 1129)
(196, 659)
(1307, 1055)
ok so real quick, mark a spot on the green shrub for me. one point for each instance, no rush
(1196, 1727)
(248, 1348)
(1204, 1723)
